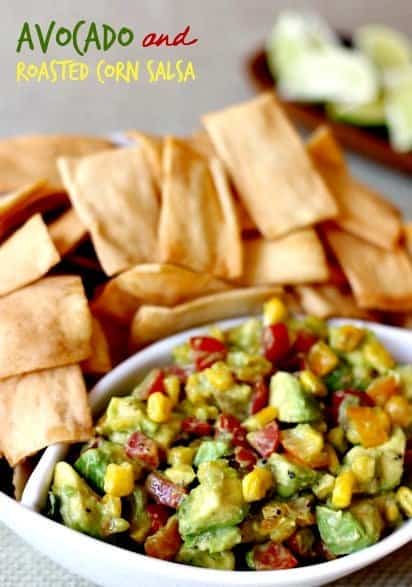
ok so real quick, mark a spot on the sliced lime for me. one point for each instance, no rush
(292, 35)
(398, 108)
(330, 74)
(386, 47)
(371, 114)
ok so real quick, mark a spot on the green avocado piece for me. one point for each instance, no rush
(211, 450)
(389, 463)
(339, 378)
(216, 502)
(344, 532)
(80, 508)
(225, 560)
(246, 336)
(290, 477)
(139, 519)
(404, 372)
(292, 402)
(215, 540)
(247, 366)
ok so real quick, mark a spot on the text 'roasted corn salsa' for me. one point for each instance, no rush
(277, 443)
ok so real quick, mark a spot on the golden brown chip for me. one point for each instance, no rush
(269, 166)
(154, 322)
(18, 206)
(67, 232)
(295, 258)
(44, 325)
(24, 159)
(152, 146)
(245, 221)
(407, 233)
(200, 142)
(198, 223)
(362, 211)
(114, 195)
(26, 256)
(99, 361)
(379, 279)
(40, 409)
(163, 285)
(326, 301)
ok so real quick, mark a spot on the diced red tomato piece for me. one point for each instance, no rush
(301, 543)
(339, 396)
(246, 458)
(292, 362)
(275, 340)
(166, 542)
(159, 514)
(230, 427)
(260, 396)
(273, 556)
(155, 382)
(164, 491)
(207, 344)
(265, 441)
(144, 449)
(304, 341)
(196, 427)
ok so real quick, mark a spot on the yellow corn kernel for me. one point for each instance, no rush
(180, 474)
(312, 384)
(342, 492)
(334, 464)
(399, 410)
(180, 455)
(260, 419)
(205, 412)
(220, 376)
(348, 338)
(172, 387)
(324, 487)
(336, 437)
(217, 333)
(119, 479)
(392, 513)
(321, 358)
(363, 467)
(256, 483)
(159, 407)
(404, 498)
(378, 356)
(274, 310)
(112, 505)
(196, 390)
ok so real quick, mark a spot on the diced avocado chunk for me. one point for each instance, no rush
(404, 372)
(225, 560)
(92, 463)
(344, 532)
(339, 378)
(292, 402)
(211, 450)
(290, 477)
(83, 510)
(247, 336)
(248, 366)
(140, 520)
(388, 463)
(216, 502)
(215, 540)
(234, 400)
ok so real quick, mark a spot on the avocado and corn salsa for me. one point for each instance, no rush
(281, 442)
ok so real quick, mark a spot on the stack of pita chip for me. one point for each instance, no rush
(105, 249)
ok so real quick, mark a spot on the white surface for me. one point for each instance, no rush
(111, 566)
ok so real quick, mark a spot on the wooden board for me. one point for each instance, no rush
(372, 143)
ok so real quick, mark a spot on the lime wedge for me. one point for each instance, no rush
(292, 35)
(398, 108)
(371, 114)
(386, 47)
(330, 74)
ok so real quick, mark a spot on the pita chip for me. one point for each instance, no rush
(42, 408)
(295, 258)
(380, 279)
(268, 164)
(155, 322)
(26, 256)
(327, 300)
(99, 361)
(44, 325)
(25, 159)
(67, 232)
(200, 142)
(115, 198)
(198, 226)
(362, 211)
(152, 146)
(163, 285)
(407, 233)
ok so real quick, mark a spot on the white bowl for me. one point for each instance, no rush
(111, 566)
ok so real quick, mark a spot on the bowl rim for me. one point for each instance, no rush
(106, 388)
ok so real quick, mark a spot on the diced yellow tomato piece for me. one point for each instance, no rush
(371, 424)
(399, 411)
